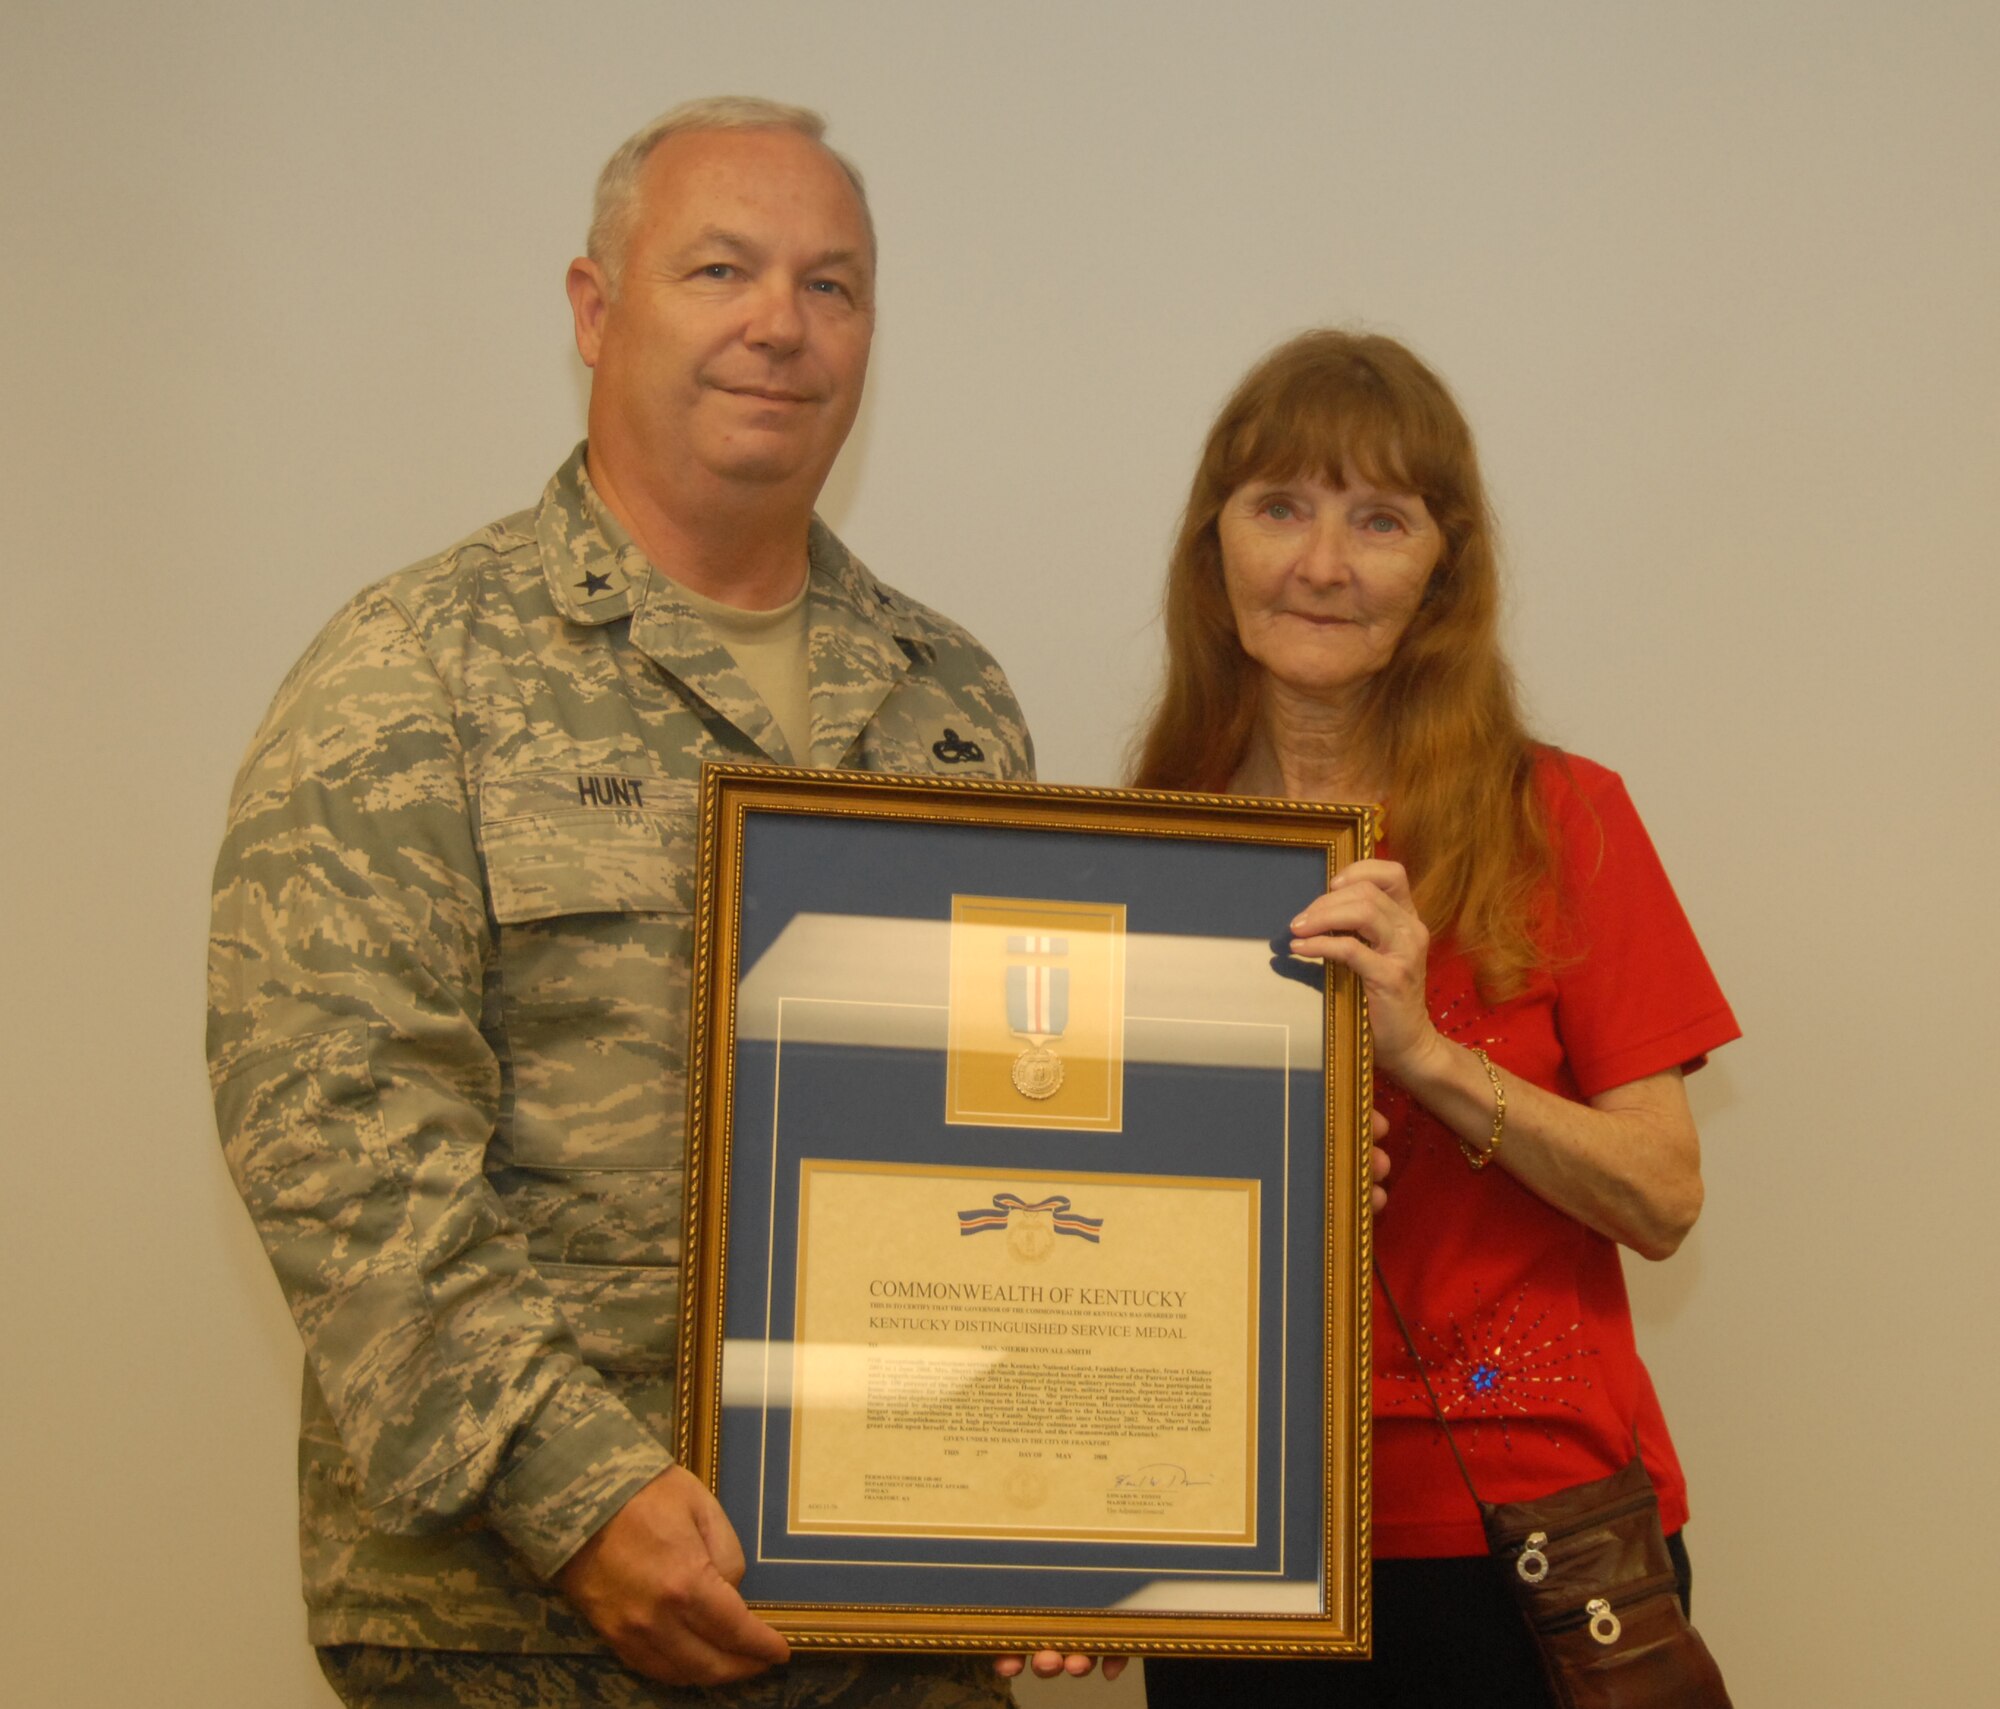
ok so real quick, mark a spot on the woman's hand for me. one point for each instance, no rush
(1048, 1664)
(1368, 924)
(1626, 1163)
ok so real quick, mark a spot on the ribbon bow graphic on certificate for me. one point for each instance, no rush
(1031, 1228)
(1066, 1221)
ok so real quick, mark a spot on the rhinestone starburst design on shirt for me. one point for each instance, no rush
(1461, 1018)
(1498, 1369)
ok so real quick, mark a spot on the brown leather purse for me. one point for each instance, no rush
(1590, 1573)
(1589, 1570)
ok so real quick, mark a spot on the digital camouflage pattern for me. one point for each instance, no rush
(448, 988)
(371, 1678)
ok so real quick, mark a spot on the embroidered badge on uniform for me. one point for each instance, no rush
(953, 751)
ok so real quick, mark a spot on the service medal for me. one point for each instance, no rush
(1037, 1010)
(1037, 1072)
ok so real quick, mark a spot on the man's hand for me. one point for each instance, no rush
(1052, 1664)
(659, 1582)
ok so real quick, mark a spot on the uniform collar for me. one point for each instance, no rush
(863, 636)
(595, 573)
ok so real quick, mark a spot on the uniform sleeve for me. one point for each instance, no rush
(355, 1095)
(1018, 750)
(1024, 741)
(1635, 993)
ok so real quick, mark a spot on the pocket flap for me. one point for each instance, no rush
(625, 1316)
(587, 843)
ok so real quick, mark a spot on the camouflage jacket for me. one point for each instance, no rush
(447, 994)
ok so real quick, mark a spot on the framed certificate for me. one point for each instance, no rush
(1025, 1294)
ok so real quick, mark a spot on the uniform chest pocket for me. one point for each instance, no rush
(588, 843)
(591, 881)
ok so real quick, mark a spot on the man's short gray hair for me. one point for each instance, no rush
(616, 202)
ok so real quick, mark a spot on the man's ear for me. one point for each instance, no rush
(589, 298)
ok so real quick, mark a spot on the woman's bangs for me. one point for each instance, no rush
(1334, 433)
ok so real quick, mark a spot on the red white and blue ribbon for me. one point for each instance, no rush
(1067, 1221)
(1038, 998)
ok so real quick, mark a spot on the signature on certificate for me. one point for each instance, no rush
(1161, 1474)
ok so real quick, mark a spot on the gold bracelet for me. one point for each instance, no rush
(1479, 1159)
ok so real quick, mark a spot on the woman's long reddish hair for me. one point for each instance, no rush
(1439, 728)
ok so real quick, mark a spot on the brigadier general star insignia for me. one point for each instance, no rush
(594, 584)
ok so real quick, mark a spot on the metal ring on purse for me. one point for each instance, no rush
(1604, 1626)
(1532, 1564)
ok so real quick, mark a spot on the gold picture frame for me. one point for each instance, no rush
(1027, 1239)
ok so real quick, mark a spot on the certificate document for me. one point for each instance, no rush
(1052, 1355)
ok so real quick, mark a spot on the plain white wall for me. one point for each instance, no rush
(1717, 284)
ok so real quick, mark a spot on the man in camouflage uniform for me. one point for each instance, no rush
(448, 979)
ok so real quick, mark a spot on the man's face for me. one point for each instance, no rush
(737, 338)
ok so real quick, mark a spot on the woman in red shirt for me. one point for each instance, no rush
(1535, 992)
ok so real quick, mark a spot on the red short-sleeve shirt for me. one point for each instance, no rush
(1519, 1311)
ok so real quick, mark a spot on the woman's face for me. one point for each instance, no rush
(1323, 580)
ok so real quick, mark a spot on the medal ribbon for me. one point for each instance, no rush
(1038, 1000)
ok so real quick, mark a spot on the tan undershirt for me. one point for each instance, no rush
(769, 647)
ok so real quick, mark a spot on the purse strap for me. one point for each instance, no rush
(1424, 1377)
